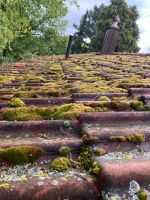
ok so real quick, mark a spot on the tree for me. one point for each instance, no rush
(23, 18)
(50, 42)
(86, 29)
(102, 17)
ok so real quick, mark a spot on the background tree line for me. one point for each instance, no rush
(37, 27)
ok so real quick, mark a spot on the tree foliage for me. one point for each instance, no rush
(21, 19)
(50, 42)
(95, 22)
(86, 29)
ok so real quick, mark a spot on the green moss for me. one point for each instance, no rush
(60, 164)
(104, 98)
(85, 157)
(136, 138)
(20, 95)
(117, 138)
(95, 169)
(28, 113)
(105, 89)
(89, 140)
(147, 108)
(69, 86)
(65, 151)
(139, 106)
(52, 92)
(120, 105)
(101, 106)
(35, 79)
(6, 79)
(26, 94)
(120, 98)
(99, 86)
(101, 109)
(99, 151)
(71, 111)
(55, 69)
(42, 92)
(142, 194)
(21, 155)
(23, 114)
(135, 80)
(68, 111)
(78, 68)
(51, 85)
(46, 113)
(16, 102)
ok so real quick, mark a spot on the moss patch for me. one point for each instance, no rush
(89, 140)
(16, 102)
(85, 157)
(28, 113)
(35, 79)
(104, 98)
(99, 151)
(137, 105)
(101, 106)
(136, 138)
(65, 151)
(71, 111)
(60, 164)
(99, 86)
(120, 98)
(6, 79)
(42, 92)
(20, 155)
(117, 138)
(95, 169)
(120, 105)
(68, 111)
(142, 194)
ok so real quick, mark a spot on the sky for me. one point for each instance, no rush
(74, 16)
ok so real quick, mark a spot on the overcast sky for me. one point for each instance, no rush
(143, 6)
